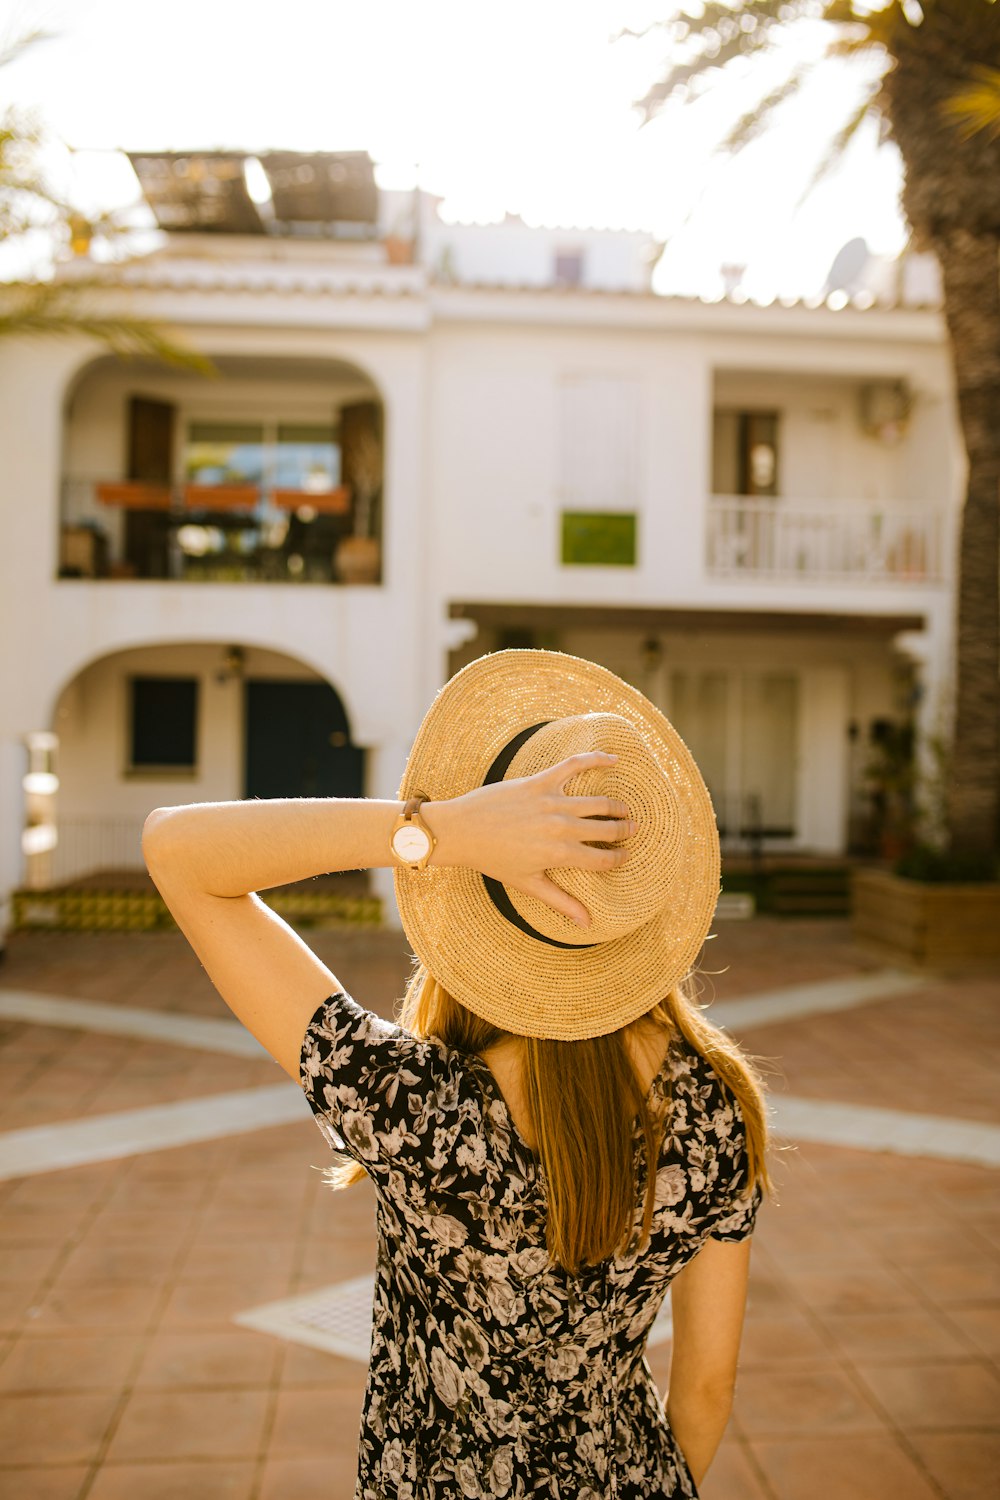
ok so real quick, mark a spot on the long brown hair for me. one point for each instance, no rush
(582, 1099)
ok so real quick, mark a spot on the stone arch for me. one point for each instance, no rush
(298, 444)
(236, 719)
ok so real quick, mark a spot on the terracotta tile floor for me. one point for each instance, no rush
(871, 1363)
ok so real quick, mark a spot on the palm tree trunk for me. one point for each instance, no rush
(970, 265)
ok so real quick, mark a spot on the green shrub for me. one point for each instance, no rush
(939, 867)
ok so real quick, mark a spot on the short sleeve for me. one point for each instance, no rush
(738, 1218)
(370, 1084)
(738, 1203)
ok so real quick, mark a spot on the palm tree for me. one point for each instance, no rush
(31, 209)
(935, 90)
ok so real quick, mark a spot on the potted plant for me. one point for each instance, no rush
(931, 905)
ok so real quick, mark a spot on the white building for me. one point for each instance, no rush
(252, 584)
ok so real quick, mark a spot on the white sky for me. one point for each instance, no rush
(523, 106)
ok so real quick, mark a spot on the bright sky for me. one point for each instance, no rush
(523, 106)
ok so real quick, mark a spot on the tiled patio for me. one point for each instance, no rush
(871, 1368)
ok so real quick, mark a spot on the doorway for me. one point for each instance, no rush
(298, 742)
(742, 727)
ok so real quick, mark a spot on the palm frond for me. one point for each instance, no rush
(721, 35)
(12, 50)
(757, 120)
(853, 46)
(61, 310)
(837, 148)
(976, 106)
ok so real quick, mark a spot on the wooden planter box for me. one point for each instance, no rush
(945, 925)
(135, 495)
(221, 496)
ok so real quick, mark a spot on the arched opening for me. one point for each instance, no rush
(162, 724)
(271, 473)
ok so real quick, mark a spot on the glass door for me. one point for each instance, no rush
(742, 727)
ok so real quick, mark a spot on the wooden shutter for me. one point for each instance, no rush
(150, 440)
(150, 461)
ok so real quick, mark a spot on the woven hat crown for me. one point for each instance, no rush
(508, 957)
(624, 899)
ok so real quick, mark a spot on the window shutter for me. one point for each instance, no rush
(150, 440)
(599, 439)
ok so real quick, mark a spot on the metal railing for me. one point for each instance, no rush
(87, 846)
(854, 540)
(215, 534)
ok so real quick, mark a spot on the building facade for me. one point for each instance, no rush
(253, 583)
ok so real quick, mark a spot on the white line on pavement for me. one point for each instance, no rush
(133, 1132)
(869, 1128)
(68, 1143)
(177, 1030)
(818, 999)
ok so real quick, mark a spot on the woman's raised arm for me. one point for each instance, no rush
(208, 859)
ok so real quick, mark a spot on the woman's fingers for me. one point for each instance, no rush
(597, 807)
(604, 831)
(561, 901)
(573, 765)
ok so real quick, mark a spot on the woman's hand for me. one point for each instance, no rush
(515, 831)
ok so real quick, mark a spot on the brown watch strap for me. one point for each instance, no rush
(414, 805)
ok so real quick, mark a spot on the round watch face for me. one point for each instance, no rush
(410, 843)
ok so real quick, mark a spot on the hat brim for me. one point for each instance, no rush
(518, 982)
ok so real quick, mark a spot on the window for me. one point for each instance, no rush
(568, 267)
(745, 453)
(598, 538)
(742, 727)
(307, 458)
(291, 456)
(163, 720)
(599, 433)
(225, 453)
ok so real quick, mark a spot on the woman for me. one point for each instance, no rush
(555, 1133)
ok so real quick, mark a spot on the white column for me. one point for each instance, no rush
(823, 760)
(13, 762)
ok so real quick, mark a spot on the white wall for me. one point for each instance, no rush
(91, 720)
(498, 477)
(516, 254)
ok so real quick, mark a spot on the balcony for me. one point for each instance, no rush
(195, 533)
(852, 542)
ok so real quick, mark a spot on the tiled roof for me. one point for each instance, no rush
(312, 278)
(282, 278)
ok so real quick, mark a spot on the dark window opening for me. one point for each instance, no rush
(568, 268)
(745, 453)
(163, 722)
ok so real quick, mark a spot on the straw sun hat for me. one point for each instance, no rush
(508, 957)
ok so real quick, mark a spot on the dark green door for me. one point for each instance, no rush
(298, 742)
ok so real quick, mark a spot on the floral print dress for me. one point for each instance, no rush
(493, 1373)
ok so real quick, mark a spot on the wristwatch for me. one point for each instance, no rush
(411, 841)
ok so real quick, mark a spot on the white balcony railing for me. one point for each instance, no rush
(87, 846)
(854, 540)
